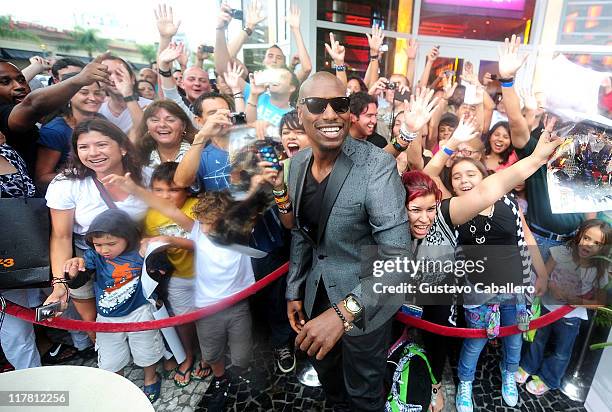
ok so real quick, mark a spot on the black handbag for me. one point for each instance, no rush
(24, 243)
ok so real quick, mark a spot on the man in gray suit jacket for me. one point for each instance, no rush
(348, 200)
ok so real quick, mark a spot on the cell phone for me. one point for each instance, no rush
(449, 73)
(47, 311)
(236, 14)
(384, 48)
(238, 118)
(207, 49)
(265, 77)
(268, 154)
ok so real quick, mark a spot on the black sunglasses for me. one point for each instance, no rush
(317, 105)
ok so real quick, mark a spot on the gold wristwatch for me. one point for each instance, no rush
(352, 305)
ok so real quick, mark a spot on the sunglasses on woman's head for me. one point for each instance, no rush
(317, 105)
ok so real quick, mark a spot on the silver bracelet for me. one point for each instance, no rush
(407, 136)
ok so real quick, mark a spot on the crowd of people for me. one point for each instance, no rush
(388, 160)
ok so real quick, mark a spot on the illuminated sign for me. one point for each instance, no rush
(516, 5)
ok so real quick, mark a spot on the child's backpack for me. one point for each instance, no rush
(411, 380)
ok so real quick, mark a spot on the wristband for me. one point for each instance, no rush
(374, 57)
(448, 151)
(507, 84)
(285, 211)
(398, 146)
(164, 73)
(281, 192)
(345, 323)
(407, 136)
(238, 96)
(252, 104)
(248, 31)
(132, 98)
(341, 68)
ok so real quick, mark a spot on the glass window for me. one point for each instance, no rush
(357, 55)
(586, 22)
(261, 33)
(389, 14)
(253, 58)
(476, 19)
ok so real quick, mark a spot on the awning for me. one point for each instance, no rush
(84, 59)
(18, 54)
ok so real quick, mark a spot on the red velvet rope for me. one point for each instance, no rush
(71, 324)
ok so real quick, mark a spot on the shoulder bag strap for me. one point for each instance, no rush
(104, 194)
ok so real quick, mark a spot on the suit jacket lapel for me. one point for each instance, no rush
(338, 175)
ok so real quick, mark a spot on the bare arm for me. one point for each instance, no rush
(43, 101)
(187, 169)
(375, 40)
(509, 63)
(37, 65)
(411, 52)
(431, 57)
(305, 64)
(222, 55)
(60, 250)
(336, 51)
(46, 163)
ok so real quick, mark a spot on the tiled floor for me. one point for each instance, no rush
(285, 393)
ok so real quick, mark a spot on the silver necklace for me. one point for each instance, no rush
(481, 239)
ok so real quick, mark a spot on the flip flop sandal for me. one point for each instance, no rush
(59, 353)
(204, 372)
(153, 390)
(187, 375)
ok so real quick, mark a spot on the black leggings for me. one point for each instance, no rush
(438, 347)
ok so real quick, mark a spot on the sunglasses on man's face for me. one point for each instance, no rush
(317, 105)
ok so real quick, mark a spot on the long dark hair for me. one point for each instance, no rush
(600, 264)
(131, 163)
(505, 155)
(146, 143)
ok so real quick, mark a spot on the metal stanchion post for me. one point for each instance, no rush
(574, 385)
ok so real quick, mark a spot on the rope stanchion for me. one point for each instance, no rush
(481, 333)
(71, 324)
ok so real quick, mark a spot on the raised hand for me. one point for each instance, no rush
(417, 114)
(42, 64)
(466, 130)
(253, 14)
(124, 182)
(335, 50)
(201, 55)
(411, 49)
(449, 88)
(433, 54)
(224, 17)
(375, 40)
(487, 79)
(378, 87)
(74, 266)
(214, 125)
(123, 81)
(293, 19)
(509, 59)
(548, 142)
(233, 75)
(170, 54)
(164, 17)
(95, 71)
(183, 59)
(529, 100)
(295, 60)
(256, 89)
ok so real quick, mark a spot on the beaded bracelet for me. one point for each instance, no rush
(341, 68)
(345, 323)
(286, 210)
(281, 192)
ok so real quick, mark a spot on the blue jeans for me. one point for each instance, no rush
(544, 244)
(551, 369)
(511, 347)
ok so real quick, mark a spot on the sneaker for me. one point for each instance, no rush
(216, 394)
(285, 358)
(536, 386)
(509, 390)
(463, 400)
(521, 376)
